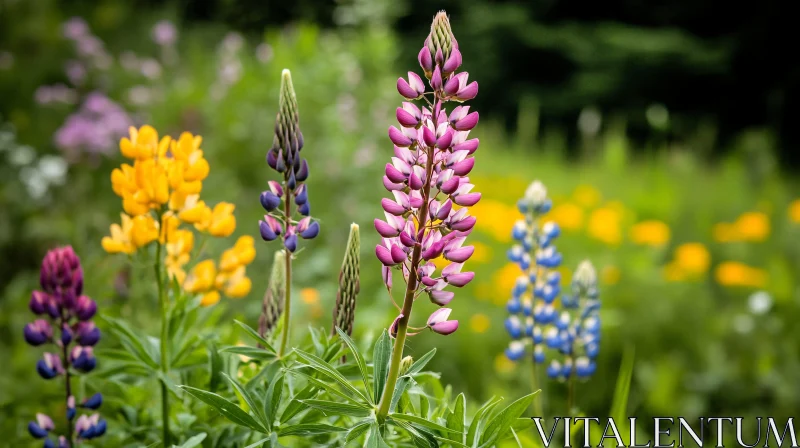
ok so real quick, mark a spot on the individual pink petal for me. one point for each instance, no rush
(467, 200)
(445, 328)
(441, 298)
(394, 175)
(385, 230)
(459, 255)
(460, 279)
(384, 256)
(398, 138)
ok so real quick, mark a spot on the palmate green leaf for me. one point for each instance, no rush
(255, 336)
(420, 363)
(380, 363)
(332, 407)
(362, 366)
(357, 430)
(193, 441)
(419, 421)
(456, 420)
(273, 400)
(136, 344)
(229, 410)
(330, 371)
(251, 401)
(473, 435)
(250, 352)
(375, 440)
(500, 423)
(309, 429)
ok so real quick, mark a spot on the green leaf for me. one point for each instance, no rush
(229, 410)
(250, 352)
(420, 421)
(473, 435)
(309, 429)
(257, 337)
(216, 365)
(329, 371)
(273, 400)
(456, 420)
(357, 430)
(375, 440)
(332, 407)
(421, 438)
(420, 363)
(424, 406)
(296, 405)
(137, 345)
(362, 366)
(259, 443)
(326, 387)
(380, 363)
(254, 406)
(500, 423)
(193, 441)
(402, 385)
(619, 403)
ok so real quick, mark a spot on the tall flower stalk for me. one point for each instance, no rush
(569, 336)
(160, 191)
(428, 217)
(344, 313)
(63, 306)
(284, 157)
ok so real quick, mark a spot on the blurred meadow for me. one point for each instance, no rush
(695, 233)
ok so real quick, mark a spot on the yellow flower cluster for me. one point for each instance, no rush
(749, 227)
(604, 225)
(794, 211)
(160, 191)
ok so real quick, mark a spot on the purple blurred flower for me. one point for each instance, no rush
(95, 128)
(75, 28)
(164, 33)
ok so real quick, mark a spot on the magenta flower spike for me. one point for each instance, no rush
(433, 156)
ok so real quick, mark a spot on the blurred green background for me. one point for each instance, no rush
(659, 130)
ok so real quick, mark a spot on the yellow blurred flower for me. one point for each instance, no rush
(202, 278)
(209, 298)
(568, 216)
(734, 273)
(495, 218)
(794, 211)
(120, 240)
(309, 296)
(604, 225)
(479, 323)
(650, 233)
(748, 227)
(221, 222)
(242, 253)
(586, 195)
(144, 230)
(693, 258)
(190, 208)
(505, 278)
(482, 254)
(610, 275)
(503, 365)
(179, 247)
(236, 284)
(753, 226)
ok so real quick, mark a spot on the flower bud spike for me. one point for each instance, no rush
(349, 283)
(272, 304)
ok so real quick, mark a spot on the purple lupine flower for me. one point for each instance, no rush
(284, 157)
(75, 28)
(427, 175)
(62, 301)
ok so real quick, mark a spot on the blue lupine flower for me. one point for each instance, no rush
(568, 330)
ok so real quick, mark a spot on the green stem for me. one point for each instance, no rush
(67, 377)
(538, 407)
(571, 388)
(408, 301)
(162, 300)
(287, 299)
